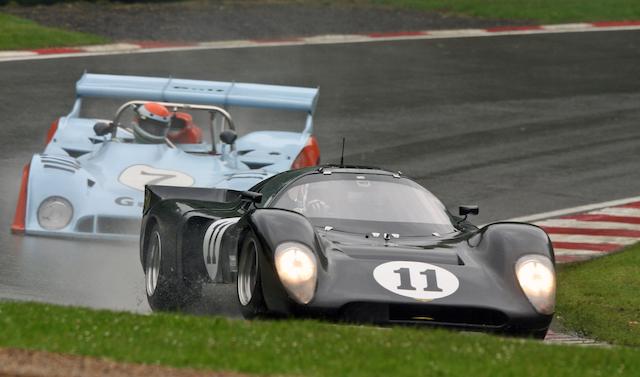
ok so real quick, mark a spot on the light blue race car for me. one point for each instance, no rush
(89, 181)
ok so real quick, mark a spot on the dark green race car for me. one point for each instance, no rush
(353, 243)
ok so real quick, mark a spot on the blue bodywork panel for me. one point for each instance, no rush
(103, 177)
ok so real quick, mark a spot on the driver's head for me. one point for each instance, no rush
(151, 123)
(183, 130)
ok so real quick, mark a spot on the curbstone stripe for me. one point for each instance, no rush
(163, 46)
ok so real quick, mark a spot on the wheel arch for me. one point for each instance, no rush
(291, 226)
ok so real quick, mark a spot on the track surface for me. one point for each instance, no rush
(518, 124)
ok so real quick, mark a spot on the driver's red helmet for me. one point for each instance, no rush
(183, 130)
(151, 123)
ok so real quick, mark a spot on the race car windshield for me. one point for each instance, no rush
(367, 199)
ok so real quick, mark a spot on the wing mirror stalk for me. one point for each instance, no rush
(251, 197)
(102, 128)
(228, 137)
(466, 210)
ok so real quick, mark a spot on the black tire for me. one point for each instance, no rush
(531, 334)
(540, 334)
(249, 285)
(165, 290)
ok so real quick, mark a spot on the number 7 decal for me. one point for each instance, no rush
(161, 177)
(137, 176)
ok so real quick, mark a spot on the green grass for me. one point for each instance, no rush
(306, 348)
(548, 11)
(601, 298)
(17, 33)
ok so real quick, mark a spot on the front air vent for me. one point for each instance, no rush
(74, 153)
(252, 175)
(118, 225)
(85, 224)
(256, 165)
(62, 163)
(446, 315)
(424, 314)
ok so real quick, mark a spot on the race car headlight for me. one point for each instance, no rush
(54, 213)
(537, 278)
(297, 269)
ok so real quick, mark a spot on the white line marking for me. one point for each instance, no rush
(111, 47)
(335, 38)
(16, 54)
(207, 241)
(569, 223)
(565, 252)
(567, 27)
(572, 210)
(123, 48)
(460, 33)
(580, 238)
(211, 244)
(628, 212)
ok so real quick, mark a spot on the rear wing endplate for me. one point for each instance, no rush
(198, 92)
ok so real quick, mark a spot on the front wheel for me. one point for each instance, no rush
(249, 284)
(165, 291)
(540, 334)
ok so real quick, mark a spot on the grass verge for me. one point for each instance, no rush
(18, 34)
(306, 348)
(546, 11)
(600, 298)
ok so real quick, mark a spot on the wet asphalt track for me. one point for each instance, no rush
(517, 124)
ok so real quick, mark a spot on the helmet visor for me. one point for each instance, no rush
(154, 127)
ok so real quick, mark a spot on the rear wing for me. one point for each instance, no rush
(154, 194)
(198, 92)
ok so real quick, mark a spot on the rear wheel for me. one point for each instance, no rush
(165, 290)
(248, 282)
(152, 263)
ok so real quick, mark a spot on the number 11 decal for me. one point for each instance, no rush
(422, 281)
(405, 280)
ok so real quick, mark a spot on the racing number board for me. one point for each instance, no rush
(421, 281)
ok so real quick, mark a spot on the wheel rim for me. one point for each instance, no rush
(247, 273)
(152, 268)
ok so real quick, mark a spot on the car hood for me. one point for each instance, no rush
(436, 249)
(124, 168)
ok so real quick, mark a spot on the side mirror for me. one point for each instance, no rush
(102, 128)
(250, 196)
(228, 137)
(465, 210)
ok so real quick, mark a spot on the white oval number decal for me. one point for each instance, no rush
(422, 281)
(137, 176)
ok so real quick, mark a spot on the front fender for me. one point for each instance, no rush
(508, 241)
(56, 175)
(498, 247)
(273, 227)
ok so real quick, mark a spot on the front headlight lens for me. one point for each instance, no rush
(55, 213)
(537, 278)
(297, 269)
